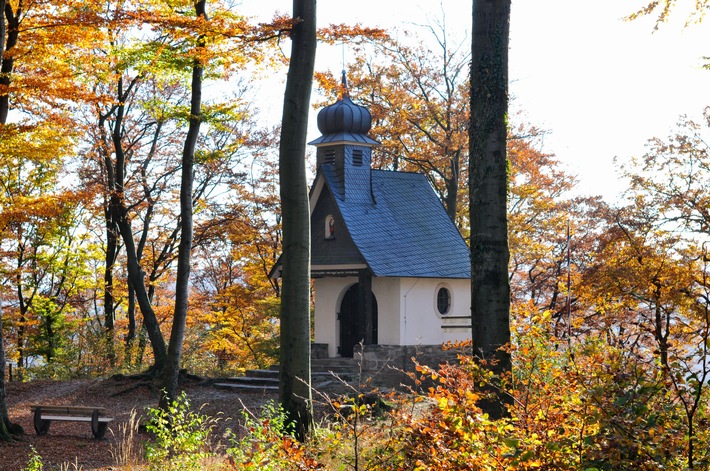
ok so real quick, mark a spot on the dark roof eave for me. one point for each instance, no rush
(344, 138)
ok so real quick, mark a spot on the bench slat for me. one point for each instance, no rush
(69, 412)
(68, 408)
(74, 418)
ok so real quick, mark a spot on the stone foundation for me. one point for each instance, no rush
(319, 350)
(387, 366)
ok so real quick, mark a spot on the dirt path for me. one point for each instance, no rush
(72, 443)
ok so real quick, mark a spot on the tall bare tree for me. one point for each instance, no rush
(6, 427)
(3, 406)
(2, 29)
(177, 333)
(490, 288)
(295, 353)
(9, 29)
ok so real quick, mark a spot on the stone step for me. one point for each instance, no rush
(262, 373)
(239, 387)
(274, 374)
(252, 380)
(249, 383)
(348, 371)
(324, 371)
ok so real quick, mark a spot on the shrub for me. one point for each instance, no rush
(266, 443)
(34, 461)
(181, 437)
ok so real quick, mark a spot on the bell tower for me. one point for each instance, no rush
(344, 147)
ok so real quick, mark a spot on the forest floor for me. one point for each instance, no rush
(70, 445)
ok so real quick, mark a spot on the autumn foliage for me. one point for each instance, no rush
(610, 302)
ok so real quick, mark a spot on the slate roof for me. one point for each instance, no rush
(406, 232)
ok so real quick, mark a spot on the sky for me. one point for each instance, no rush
(599, 85)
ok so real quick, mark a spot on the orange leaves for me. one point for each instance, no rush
(40, 73)
(583, 407)
(31, 158)
(351, 33)
(234, 293)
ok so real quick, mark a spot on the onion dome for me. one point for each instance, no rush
(344, 116)
(344, 121)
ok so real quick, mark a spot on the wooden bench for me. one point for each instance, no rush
(45, 414)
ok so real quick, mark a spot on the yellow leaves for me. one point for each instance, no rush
(221, 40)
(443, 403)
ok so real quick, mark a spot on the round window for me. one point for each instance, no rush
(443, 300)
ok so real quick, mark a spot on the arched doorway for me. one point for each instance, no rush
(352, 321)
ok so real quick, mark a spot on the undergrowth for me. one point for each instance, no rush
(585, 407)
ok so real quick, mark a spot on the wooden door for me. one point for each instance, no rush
(352, 321)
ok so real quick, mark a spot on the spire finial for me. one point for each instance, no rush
(344, 84)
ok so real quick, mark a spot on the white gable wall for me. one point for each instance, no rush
(407, 313)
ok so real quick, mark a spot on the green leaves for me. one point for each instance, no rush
(181, 437)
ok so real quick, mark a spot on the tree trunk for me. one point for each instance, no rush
(109, 299)
(452, 188)
(4, 418)
(136, 275)
(490, 289)
(177, 334)
(7, 428)
(131, 315)
(10, 32)
(295, 353)
(4, 435)
(120, 216)
(3, 30)
(112, 237)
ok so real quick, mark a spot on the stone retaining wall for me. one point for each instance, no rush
(386, 366)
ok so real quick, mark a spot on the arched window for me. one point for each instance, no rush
(329, 227)
(443, 300)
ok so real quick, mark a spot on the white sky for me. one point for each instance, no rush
(600, 85)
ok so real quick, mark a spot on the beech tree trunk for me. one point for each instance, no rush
(488, 186)
(4, 418)
(4, 435)
(452, 187)
(6, 427)
(295, 339)
(177, 334)
(10, 31)
(109, 299)
(131, 315)
(3, 29)
(136, 275)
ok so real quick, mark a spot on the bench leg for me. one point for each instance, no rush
(98, 428)
(100, 431)
(41, 426)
